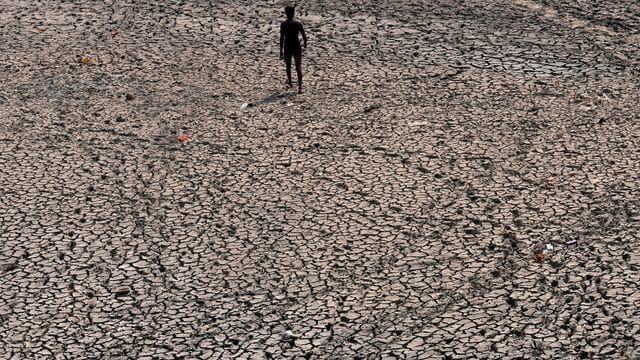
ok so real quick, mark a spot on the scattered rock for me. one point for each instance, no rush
(372, 107)
(121, 292)
(416, 344)
(288, 335)
(9, 267)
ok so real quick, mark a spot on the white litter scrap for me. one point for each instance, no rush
(419, 123)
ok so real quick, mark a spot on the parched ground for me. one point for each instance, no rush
(392, 211)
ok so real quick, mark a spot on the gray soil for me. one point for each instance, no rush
(391, 211)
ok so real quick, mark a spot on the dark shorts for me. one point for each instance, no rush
(288, 52)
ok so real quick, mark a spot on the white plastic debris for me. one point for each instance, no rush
(244, 106)
(542, 251)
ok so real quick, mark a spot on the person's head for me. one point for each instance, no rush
(290, 11)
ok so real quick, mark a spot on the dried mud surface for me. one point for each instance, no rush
(391, 211)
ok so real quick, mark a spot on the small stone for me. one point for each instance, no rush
(120, 292)
(288, 335)
(10, 267)
(130, 97)
(371, 107)
(140, 264)
(415, 344)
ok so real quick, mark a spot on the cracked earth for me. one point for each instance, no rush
(391, 211)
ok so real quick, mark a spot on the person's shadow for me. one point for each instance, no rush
(273, 97)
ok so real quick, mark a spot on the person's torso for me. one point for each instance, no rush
(291, 29)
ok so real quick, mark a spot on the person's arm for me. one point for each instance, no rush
(304, 36)
(281, 40)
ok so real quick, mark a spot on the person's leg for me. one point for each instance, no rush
(287, 59)
(298, 57)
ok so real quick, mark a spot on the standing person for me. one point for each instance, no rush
(290, 44)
